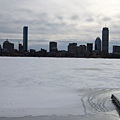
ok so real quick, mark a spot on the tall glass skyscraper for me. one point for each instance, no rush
(105, 40)
(25, 38)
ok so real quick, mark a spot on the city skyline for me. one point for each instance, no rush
(63, 21)
(25, 42)
(97, 49)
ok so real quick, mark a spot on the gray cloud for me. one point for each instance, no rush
(107, 19)
(90, 19)
(75, 17)
(55, 20)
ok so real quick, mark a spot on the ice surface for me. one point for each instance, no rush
(57, 86)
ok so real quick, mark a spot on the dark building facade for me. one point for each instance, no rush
(98, 44)
(53, 47)
(20, 47)
(80, 50)
(0, 49)
(25, 38)
(90, 47)
(105, 40)
(72, 48)
(116, 49)
(8, 47)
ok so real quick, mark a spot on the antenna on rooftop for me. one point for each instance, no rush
(105, 24)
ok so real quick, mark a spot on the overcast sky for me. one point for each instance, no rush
(63, 21)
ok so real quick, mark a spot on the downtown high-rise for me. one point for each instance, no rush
(105, 40)
(25, 38)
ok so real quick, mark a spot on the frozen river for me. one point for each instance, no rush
(58, 88)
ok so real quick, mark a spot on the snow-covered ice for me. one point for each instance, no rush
(57, 86)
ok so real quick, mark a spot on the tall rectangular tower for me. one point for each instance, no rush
(105, 40)
(25, 38)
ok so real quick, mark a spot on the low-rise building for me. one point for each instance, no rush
(90, 47)
(80, 50)
(72, 48)
(8, 47)
(20, 47)
(116, 49)
(53, 47)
